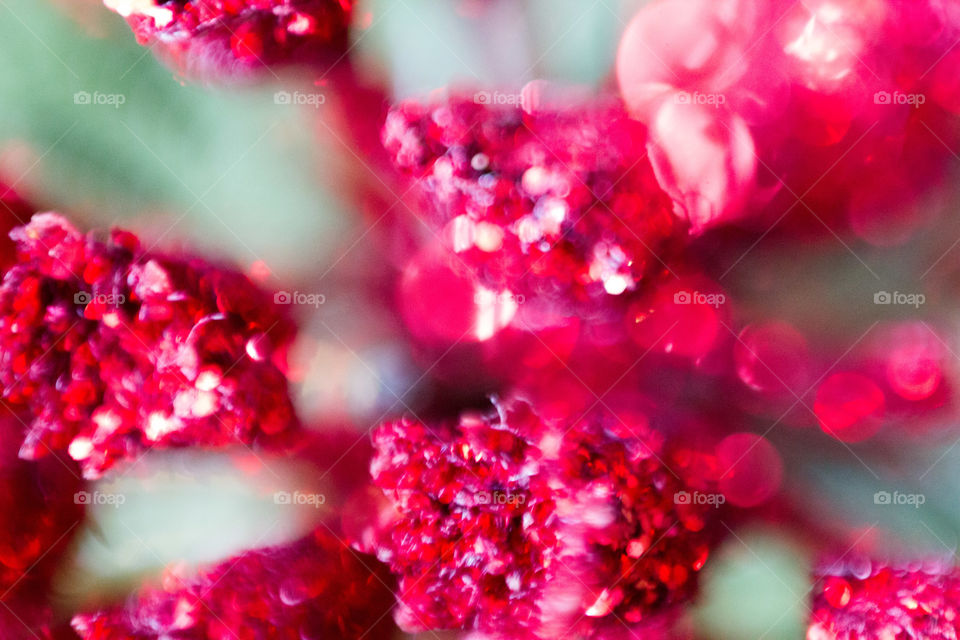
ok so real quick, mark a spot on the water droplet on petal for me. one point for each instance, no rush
(838, 592)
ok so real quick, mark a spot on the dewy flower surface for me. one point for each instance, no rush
(886, 603)
(539, 200)
(240, 35)
(313, 589)
(512, 523)
(112, 350)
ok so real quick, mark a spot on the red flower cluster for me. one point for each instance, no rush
(230, 36)
(315, 588)
(510, 522)
(886, 603)
(552, 201)
(556, 241)
(109, 350)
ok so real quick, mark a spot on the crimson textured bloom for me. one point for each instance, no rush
(314, 589)
(513, 523)
(113, 350)
(235, 36)
(539, 200)
(878, 602)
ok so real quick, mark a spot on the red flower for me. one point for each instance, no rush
(230, 36)
(513, 523)
(315, 588)
(554, 202)
(113, 350)
(886, 603)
